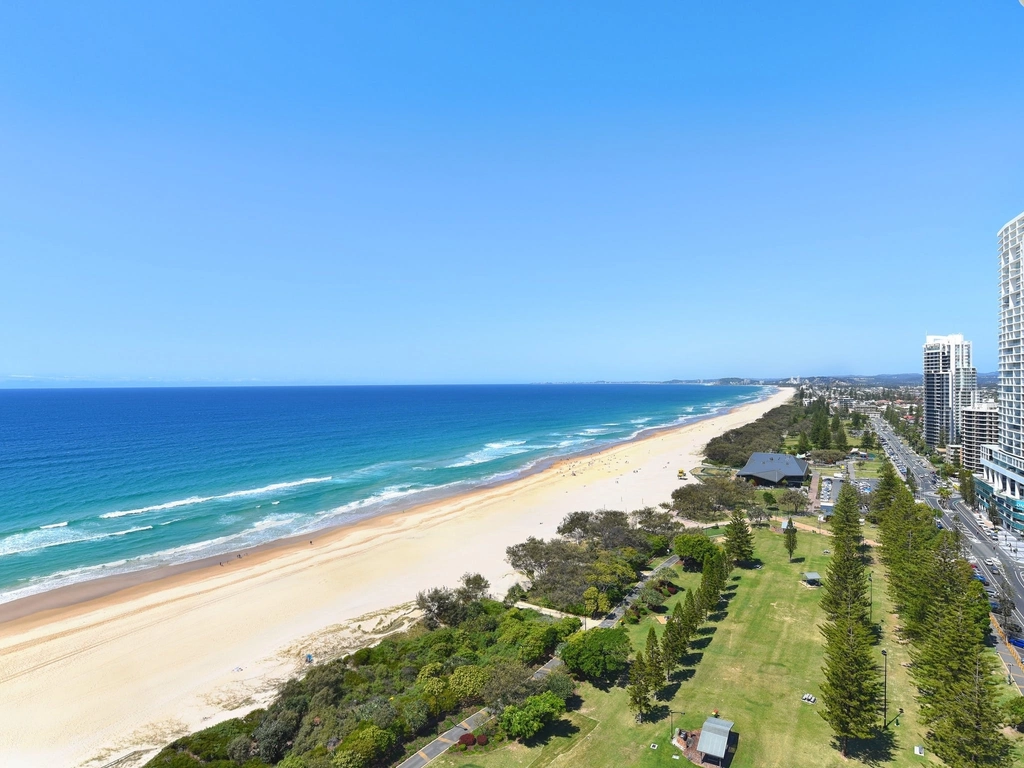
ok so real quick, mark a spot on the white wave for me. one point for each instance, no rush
(644, 420)
(203, 499)
(492, 452)
(274, 503)
(595, 431)
(53, 525)
(132, 530)
(54, 537)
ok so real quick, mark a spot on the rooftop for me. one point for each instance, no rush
(714, 737)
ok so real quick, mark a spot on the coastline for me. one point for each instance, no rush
(71, 595)
(133, 664)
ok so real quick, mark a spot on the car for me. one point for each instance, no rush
(981, 578)
(991, 561)
(1016, 641)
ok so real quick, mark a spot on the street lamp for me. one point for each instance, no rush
(885, 689)
(671, 723)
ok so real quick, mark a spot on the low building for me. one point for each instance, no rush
(714, 739)
(813, 578)
(775, 469)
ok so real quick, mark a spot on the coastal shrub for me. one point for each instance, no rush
(733, 448)
(240, 749)
(272, 738)
(482, 739)
(509, 682)
(467, 739)
(467, 682)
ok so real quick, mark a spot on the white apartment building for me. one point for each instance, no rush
(979, 425)
(950, 385)
(1001, 485)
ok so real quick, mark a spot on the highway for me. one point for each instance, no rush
(1008, 551)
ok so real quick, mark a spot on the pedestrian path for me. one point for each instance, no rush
(613, 618)
(1010, 657)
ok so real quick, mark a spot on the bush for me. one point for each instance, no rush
(482, 739)
(467, 739)
(240, 749)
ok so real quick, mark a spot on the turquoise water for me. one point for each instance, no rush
(97, 482)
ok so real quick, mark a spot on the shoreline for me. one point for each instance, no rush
(70, 595)
(134, 669)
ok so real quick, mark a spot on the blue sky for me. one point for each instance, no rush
(501, 192)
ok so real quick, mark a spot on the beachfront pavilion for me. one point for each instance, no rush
(714, 740)
(775, 469)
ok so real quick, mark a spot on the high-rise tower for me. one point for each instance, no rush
(1002, 465)
(950, 385)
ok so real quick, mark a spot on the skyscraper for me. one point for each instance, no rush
(950, 385)
(1001, 483)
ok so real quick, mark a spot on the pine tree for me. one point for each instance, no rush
(739, 542)
(691, 616)
(803, 445)
(710, 590)
(639, 689)
(968, 733)
(655, 662)
(852, 687)
(839, 439)
(790, 538)
(674, 641)
(845, 593)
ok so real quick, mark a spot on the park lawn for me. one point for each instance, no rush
(867, 468)
(752, 664)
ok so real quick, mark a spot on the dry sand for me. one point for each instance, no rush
(130, 671)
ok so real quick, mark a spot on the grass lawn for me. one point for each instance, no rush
(752, 664)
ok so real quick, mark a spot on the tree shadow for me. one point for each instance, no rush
(731, 588)
(564, 728)
(735, 578)
(668, 692)
(705, 631)
(726, 597)
(717, 615)
(693, 659)
(657, 713)
(682, 675)
(875, 751)
(700, 643)
(750, 565)
(796, 560)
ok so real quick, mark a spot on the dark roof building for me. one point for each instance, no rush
(774, 469)
(714, 738)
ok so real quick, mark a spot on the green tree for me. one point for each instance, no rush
(655, 662)
(639, 688)
(598, 653)
(911, 481)
(851, 690)
(967, 489)
(967, 734)
(675, 639)
(793, 498)
(803, 444)
(739, 542)
(1013, 712)
(468, 681)
(839, 439)
(769, 499)
(526, 721)
(845, 592)
(692, 549)
(790, 538)
(691, 616)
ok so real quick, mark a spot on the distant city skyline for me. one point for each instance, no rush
(332, 194)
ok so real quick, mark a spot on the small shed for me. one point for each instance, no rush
(813, 578)
(714, 738)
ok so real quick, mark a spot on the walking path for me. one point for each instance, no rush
(444, 742)
(1010, 657)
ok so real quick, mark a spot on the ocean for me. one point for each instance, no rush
(98, 482)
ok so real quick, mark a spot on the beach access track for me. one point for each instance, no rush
(446, 740)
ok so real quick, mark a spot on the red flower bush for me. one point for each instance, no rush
(482, 739)
(467, 739)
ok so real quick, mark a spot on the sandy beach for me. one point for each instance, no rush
(119, 674)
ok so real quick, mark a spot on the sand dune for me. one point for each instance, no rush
(88, 683)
